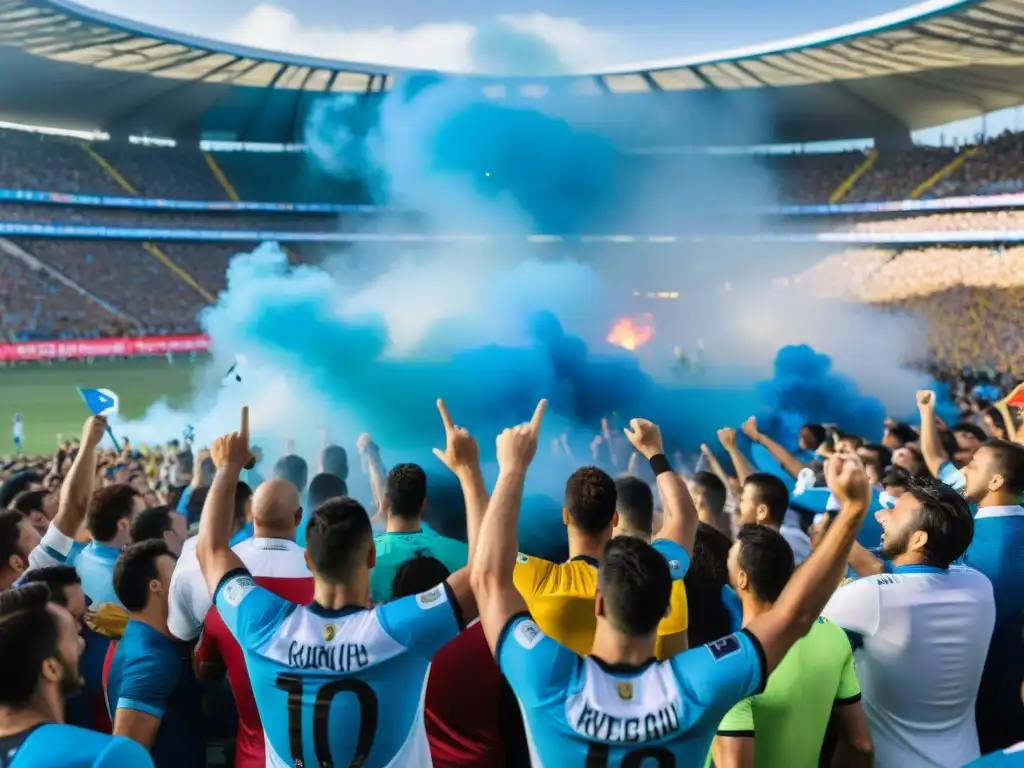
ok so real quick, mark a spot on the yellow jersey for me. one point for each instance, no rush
(560, 597)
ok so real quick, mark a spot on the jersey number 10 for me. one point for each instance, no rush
(321, 717)
(657, 757)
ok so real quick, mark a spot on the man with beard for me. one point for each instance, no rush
(921, 632)
(39, 652)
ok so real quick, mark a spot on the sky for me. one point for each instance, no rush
(436, 33)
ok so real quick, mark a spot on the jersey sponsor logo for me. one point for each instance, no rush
(724, 647)
(625, 691)
(430, 598)
(343, 657)
(330, 632)
(528, 634)
(236, 589)
(657, 724)
(885, 579)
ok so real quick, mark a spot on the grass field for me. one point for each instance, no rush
(45, 395)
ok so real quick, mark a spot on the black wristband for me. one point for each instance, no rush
(660, 464)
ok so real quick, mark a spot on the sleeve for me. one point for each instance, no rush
(189, 600)
(121, 752)
(250, 612)
(951, 476)
(719, 674)
(676, 557)
(54, 549)
(849, 687)
(537, 668)
(855, 608)
(146, 684)
(738, 721)
(678, 619)
(423, 623)
(528, 574)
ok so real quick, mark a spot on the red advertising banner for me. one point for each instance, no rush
(75, 349)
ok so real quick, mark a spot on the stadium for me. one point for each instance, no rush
(819, 311)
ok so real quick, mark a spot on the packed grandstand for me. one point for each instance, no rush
(122, 205)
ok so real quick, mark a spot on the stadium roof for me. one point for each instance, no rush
(69, 66)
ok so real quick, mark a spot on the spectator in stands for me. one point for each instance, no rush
(160, 524)
(38, 506)
(109, 520)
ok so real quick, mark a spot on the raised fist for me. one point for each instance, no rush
(645, 436)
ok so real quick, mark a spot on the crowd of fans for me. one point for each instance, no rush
(836, 601)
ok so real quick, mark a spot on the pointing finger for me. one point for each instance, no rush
(245, 421)
(446, 418)
(538, 415)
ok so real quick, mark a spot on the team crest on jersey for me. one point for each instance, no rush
(521, 558)
(673, 565)
(430, 598)
(236, 589)
(625, 691)
(330, 632)
(528, 634)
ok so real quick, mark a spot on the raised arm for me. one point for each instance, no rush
(727, 437)
(495, 554)
(789, 462)
(731, 483)
(230, 454)
(812, 584)
(77, 487)
(680, 518)
(931, 443)
(462, 456)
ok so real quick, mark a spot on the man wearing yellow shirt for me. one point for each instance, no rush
(560, 596)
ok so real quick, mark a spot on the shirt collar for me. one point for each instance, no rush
(918, 569)
(586, 559)
(1013, 511)
(104, 551)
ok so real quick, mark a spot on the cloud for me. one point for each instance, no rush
(447, 46)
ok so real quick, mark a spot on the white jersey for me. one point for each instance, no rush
(18, 430)
(190, 599)
(54, 549)
(921, 636)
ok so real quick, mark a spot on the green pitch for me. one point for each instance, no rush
(46, 396)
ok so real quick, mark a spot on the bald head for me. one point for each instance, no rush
(275, 509)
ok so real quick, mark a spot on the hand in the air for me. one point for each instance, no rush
(750, 428)
(93, 431)
(232, 450)
(846, 478)
(926, 400)
(460, 451)
(518, 445)
(645, 436)
(727, 437)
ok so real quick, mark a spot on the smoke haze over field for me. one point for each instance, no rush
(491, 328)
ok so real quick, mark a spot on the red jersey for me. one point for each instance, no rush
(472, 717)
(278, 565)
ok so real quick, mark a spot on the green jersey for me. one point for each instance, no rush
(393, 549)
(788, 720)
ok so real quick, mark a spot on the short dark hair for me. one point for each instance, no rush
(818, 434)
(590, 499)
(134, 569)
(635, 503)
(406, 490)
(767, 559)
(293, 469)
(772, 492)
(10, 535)
(151, 524)
(712, 489)
(334, 460)
(338, 537)
(418, 574)
(996, 417)
(946, 517)
(325, 486)
(16, 483)
(883, 456)
(107, 507)
(855, 440)
(29, 501)
(636, 585)
(896, 476)
(708, 574)
(903, 432)
(973, 430)
(29, 635)
(948, 441)
(1009, 462)
(56, 578)
(242, 495)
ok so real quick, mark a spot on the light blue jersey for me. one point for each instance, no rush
(580, 711)
(65, 746)
(95, 566)
(339, 687)
(1007, 758)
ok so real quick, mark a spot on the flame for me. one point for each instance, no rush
(632, 332)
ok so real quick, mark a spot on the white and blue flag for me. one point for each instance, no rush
(100, 402)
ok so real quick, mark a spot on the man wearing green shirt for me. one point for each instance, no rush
(784, 726)
(406, 535)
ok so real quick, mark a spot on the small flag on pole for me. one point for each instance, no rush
(101, 402)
